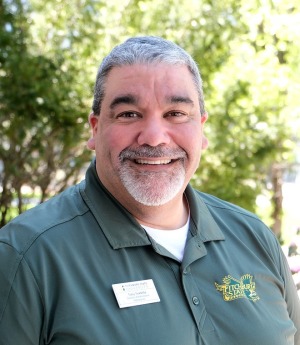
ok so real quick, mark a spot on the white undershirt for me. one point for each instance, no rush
(172, 240)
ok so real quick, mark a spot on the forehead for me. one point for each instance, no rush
(146, 78)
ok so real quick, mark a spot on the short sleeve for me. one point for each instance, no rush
(21, 311)
(291, 295)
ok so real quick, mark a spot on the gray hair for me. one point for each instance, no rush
(145, 50)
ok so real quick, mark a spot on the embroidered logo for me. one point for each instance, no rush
(233, 288)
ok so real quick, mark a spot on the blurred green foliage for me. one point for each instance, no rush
(248, 55)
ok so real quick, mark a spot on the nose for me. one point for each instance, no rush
(153, 133)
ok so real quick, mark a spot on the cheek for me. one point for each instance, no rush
(191, 140)
(192, 144)
(112, 141)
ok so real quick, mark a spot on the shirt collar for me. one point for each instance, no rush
(120, 227)
(202, 223)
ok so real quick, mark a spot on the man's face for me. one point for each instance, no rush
(148, 137)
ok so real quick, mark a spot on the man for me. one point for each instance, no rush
(133, 254)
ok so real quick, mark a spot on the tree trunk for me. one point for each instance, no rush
(277, 172)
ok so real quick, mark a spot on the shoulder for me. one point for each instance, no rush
(58, 211)
(242, 229)
(233, 219)
(214, 203)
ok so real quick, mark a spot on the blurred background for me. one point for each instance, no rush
(248, 54)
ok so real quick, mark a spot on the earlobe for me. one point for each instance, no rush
(204, 139)
(204, 143)
(91, 144)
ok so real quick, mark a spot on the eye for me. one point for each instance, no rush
(128, 115)
(177, 116)
(175, 113)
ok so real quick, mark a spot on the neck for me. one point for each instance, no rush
(170, 216)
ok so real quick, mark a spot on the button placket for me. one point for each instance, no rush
(192, 295)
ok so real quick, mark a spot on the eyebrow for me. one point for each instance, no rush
(123, 99)
(180, 99)
(133, 100)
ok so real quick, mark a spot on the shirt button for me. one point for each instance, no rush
(187, 270)
(195, 300)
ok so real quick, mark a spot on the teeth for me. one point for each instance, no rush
(144, 161)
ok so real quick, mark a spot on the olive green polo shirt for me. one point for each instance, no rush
(59, 261)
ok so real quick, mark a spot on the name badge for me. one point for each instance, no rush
(135, 293)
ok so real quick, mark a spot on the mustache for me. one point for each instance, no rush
(151, 152)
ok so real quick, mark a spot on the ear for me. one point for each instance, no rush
(204, 118)
(93, 121)
(204, 139)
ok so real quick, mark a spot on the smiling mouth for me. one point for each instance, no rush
(153, 162)
(152, 156)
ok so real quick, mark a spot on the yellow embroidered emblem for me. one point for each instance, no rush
(238, 288)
